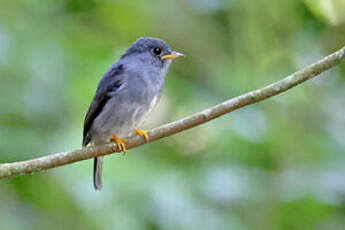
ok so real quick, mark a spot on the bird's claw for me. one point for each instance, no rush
(143, 133)
(120, 143)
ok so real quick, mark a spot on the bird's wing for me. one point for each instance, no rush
(108, 86)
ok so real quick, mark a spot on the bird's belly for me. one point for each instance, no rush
(124, 122)
(120, 119)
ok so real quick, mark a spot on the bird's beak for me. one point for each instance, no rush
(172, 55)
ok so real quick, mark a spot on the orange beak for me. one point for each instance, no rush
(172, 55)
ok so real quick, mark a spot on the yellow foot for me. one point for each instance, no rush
(143, 133)
(119, 142)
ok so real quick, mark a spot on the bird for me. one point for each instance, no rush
(125, 96)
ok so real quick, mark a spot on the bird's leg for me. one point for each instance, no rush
(119, 142)
(143, 133)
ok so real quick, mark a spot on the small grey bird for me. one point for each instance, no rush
(126, 94)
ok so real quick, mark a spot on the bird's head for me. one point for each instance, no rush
(151, 53)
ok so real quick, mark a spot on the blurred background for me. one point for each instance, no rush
(278, 164)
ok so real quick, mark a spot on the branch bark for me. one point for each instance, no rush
(63, 158)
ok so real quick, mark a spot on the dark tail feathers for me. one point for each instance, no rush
(97, 173)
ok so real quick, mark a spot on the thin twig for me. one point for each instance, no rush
(59, 159)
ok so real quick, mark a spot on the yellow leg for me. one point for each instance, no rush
(120, 143)
(143, 133)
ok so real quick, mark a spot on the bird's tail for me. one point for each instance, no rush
(97, 173)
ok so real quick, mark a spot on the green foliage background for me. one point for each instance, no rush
(278, 164)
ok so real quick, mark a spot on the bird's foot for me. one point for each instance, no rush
(143, 133)
(120, 143)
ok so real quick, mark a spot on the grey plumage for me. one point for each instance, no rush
(126, 94)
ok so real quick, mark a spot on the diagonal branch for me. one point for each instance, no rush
(59, 159)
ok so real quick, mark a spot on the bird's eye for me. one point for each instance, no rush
(157, 51)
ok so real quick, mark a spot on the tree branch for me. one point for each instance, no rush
(59, 159)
